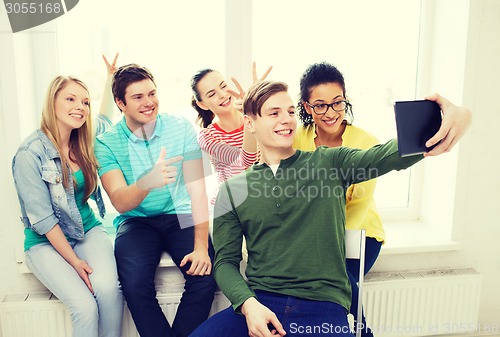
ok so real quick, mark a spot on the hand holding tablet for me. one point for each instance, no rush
(416, 122)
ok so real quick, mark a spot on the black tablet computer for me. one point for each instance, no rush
(416, 123)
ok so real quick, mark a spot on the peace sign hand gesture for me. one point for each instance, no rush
(240, 94)
(112, 68)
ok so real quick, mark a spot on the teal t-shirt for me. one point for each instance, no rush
(89, 218)
(120, 149)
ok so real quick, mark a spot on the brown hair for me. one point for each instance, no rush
(259, 93)
(205, 117)
(126, 75)
(81, 149)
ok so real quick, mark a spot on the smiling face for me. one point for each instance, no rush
(276, 125)
(212, 89)
(141, 104)
(72, 107)
(331, 122)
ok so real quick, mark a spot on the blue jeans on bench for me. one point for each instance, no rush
(139, 245)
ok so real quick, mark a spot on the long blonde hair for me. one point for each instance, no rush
(81, 145)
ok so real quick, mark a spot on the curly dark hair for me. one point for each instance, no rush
(316, 74)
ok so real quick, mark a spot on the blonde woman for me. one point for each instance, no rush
(66, 246)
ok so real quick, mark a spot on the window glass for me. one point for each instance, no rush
(375, 50)
(172, 39)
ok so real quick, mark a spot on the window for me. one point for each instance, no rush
(172, 39)
(376, 50)
(32, 58)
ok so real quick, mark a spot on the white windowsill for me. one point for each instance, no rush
(416, 237)
(402, 237)
(166, 261)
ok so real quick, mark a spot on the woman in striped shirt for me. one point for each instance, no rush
(231, 148)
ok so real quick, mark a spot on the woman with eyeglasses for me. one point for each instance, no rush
(295, 281)
(326, 117)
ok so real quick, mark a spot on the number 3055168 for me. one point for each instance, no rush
(33, 8)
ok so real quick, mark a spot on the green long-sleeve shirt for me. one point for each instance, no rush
(294, 223)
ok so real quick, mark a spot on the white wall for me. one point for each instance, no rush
(17, 93)
(476, 216)
(477, 207)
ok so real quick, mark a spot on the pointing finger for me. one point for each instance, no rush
(172, 160)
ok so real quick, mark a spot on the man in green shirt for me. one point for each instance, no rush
(290, 207)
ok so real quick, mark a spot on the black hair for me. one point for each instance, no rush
(316, 74)
(205, 117)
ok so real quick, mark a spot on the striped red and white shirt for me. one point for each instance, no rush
(226, 152)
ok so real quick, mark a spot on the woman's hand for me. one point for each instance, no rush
(84, 270)
(255, 77)
(240, 93)
(112, 68)
(58, 240)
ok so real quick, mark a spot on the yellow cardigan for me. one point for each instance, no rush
(361, 211)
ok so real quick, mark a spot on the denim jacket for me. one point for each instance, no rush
(44, 201)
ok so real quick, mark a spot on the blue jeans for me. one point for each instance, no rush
(372, 250)
(92, 315)
(138, 247)
(299, 317)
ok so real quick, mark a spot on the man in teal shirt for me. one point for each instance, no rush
(290, 207)
(150, 165)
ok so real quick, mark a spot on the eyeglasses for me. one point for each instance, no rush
(321, 109)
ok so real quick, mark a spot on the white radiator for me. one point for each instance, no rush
(396, 304)
(43, 315)
(34, 314)
(422, 303)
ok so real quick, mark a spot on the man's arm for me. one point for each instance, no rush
(356, 166)
(108, 107)
(126, 197)
(195, 185)
(228, 238)
(123, 197)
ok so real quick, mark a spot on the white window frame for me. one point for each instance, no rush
(239, 36)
